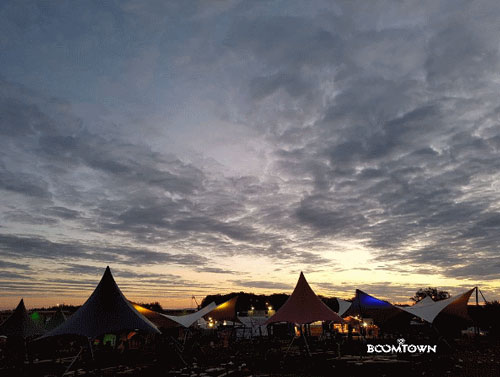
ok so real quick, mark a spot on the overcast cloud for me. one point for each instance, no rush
(300, 136)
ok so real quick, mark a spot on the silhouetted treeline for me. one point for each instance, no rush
(155, 306)
(434, 293)
(65, 308)
(260, 302)
(487, 316)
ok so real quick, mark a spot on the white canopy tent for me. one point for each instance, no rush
(343, 306)
(428, 310)
(427, 300)
(188, 319)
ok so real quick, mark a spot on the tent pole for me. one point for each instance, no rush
(91, 350)
(73, 361)
(476, 327)
(185, 337)
(233, 331)
(305, 340)
(290, 345)
(26, 357)
(178, 350)
(484, 299)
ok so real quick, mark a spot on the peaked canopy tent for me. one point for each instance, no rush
(428, 309)
(303, 307)
(188, 319)
(20, 324)
(105, 311)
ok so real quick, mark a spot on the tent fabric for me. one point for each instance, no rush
(303, 306)
(343, 306)
(225, 311)
(425, 301)
(57, 319)
(159, 319)
(105, 311)
(20, 324)
(428, 311)
(188, 319)
(368, 306)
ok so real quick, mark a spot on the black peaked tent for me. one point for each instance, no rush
(106, 311)
(19, 324)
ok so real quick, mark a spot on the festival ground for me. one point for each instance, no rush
(215, 355)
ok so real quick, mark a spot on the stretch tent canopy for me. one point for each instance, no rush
(303, 306)
(428, 309)
(160, 320)
(225, 311)
(106, 311)
(20, 324)
(368, 306)
(343, 306)
(425, 301)
(188, 319)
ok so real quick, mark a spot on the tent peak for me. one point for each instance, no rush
(304, 306)
(105, 311)
(107, 274)
(21, 304)
(20, 323)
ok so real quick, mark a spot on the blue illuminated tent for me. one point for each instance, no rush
(367, 306)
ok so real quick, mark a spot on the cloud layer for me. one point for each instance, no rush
(209, 140)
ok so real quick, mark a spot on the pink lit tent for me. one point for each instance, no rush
(303, 307)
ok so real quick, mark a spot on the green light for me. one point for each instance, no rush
(35, 316)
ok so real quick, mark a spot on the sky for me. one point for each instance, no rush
(201, 147)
